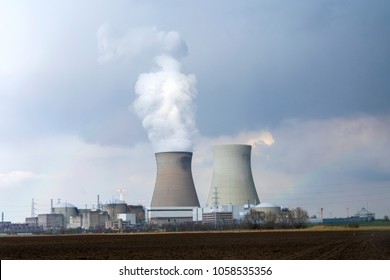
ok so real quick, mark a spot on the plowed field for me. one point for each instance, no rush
(274, 245)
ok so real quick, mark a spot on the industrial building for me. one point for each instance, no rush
(364, 214)
(48, 221)
(113, 215)
(166, 215)
(114, 208)
(227, 214)
(32, 221)
(68, 210)
(8, 228)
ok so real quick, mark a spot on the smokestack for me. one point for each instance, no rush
(232, 176)
(174, 183)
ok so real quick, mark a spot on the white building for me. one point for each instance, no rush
(169, 215)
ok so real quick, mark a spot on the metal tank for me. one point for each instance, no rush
(232, 181)
(174, 183)
(267, 207)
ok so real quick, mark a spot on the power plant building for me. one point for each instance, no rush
(116, 214)
(94, 219)
(51, 221)
(115, 208)
(224, 214)
(67, 210)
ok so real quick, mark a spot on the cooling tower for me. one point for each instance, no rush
(232, 181)
(174, 184)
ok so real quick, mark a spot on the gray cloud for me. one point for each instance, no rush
(342, 160)
(313, 74)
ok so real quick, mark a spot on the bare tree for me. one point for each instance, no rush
(283, 219)
(269, 220)
(253, 219)
(299, 217)
(295, 218)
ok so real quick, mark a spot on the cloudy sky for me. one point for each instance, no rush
(305, 82)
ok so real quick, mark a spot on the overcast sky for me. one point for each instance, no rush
(307, 83)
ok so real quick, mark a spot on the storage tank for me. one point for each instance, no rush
(174, 183)
(232, 181)
(267, 207)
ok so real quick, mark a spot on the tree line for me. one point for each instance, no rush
(295, 218)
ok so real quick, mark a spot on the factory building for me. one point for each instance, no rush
(94, 218)
(114, 208)
(224, 213)
(67, 210)
(75, 222)
(138, 211)
(128, 218)
(51, 221)
(32, 221)
(115, 214)
(364, 214)
(166, 215)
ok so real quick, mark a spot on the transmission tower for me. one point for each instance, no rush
(33, 208)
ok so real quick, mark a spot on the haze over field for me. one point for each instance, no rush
(90, 91)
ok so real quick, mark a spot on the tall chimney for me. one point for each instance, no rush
(232, 176)
(174, 183)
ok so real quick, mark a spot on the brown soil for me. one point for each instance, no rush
(273, 245)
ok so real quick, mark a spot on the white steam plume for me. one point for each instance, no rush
(165, 97)
(165, 105)
(138, 41)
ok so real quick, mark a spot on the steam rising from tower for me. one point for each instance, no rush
(165, 96)
(165, 99)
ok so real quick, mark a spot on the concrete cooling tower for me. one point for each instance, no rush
(174, 183)
(232, 181)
